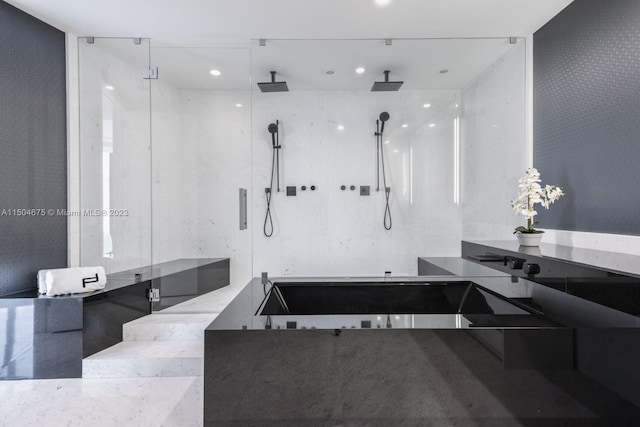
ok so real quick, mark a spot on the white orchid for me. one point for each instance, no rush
(531, 193)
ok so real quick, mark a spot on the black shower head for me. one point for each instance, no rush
(386, 85)
(384, 116)
(273, 85)
(273, 130)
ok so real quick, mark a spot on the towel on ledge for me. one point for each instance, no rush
(63, 281)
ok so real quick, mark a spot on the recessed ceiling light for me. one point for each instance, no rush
(109, 87)
(432, 125)
(426, 105)
(404, 125)
(457, 105)
(360, 70)
(383, 2)
(443, 71)
(387, 141)
(340, 127)
(330, 72)
(238, 105)
(215, 72)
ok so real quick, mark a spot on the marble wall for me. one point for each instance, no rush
(216, 162)
(113, 94)
(493, 146)
(168, 193)
(333, 232)
(203, 152)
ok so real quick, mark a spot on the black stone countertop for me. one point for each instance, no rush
(462, 267)
(608, 279)
(125, 278)
(611, 261)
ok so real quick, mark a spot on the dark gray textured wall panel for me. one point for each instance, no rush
(33, 138)
(586, 117)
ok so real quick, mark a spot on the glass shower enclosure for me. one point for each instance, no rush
(154, 134)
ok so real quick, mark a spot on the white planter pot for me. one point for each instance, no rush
(529, 239)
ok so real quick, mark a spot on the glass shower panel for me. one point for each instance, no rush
(327, 213)
(201, 123)
(115, 155)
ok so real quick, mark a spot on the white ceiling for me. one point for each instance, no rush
(207, 22)
(303, 64)
(224, 29)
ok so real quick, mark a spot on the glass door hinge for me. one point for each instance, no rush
(153, 294)
(150, 73)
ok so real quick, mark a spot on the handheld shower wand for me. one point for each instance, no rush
(384, 116)
(273, 130)
(275, 170)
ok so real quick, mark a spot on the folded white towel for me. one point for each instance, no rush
(62, 281)
(42, 285)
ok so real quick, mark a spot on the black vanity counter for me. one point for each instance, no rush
(605, 278)
(576, 261)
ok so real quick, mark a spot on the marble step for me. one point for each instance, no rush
(132, 359)
(168, 327)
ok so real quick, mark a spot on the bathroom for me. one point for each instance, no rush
(163, 146)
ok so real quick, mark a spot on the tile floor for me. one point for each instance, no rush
(136, 398)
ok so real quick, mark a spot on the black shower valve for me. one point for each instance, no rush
(303, 188)
(343, 187)
(516, 263)
(531, 268)
(313, 187)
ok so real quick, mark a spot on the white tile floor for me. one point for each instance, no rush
(126, 401)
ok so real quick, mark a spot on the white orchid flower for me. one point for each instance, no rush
(530, 193)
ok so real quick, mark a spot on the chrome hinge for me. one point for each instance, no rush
(150, 73)
(153, 294)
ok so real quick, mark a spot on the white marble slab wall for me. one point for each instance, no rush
(216, 161)
(334, 232)
(168, 189)
(493, 135)
(102, 65)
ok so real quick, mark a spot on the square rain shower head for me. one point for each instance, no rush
(273, 85)
(386, 85)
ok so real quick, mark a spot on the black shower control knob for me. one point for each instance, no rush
(515, 264)
(303, 188)
(343, 187)
(353, 187)
(531, 268)
(313, 187)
